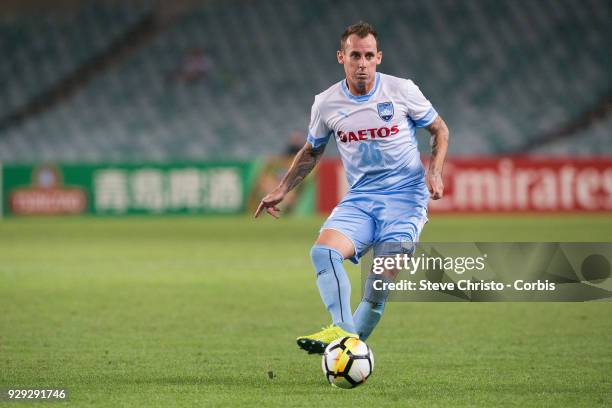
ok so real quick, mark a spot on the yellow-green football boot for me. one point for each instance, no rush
(315, 343)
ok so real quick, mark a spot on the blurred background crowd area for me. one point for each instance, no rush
(85, 81)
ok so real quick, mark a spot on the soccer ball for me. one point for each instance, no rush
(347, 362)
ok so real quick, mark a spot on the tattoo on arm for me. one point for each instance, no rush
(433, 141)
(439, 143)
(303, 163)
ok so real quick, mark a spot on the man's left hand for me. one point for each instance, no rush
(435, 185)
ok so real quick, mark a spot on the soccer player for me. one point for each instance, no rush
(373, 117)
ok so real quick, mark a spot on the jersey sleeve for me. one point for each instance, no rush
(318, 132)
(420, 110)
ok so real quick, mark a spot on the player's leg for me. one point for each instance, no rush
(328, 254)
(372, 304)
(402, 217)
(342, 237)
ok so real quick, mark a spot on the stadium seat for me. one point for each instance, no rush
(500, 73)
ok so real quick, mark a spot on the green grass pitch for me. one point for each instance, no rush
(193, 311)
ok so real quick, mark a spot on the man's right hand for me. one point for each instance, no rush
(269, 202)
(305, 160)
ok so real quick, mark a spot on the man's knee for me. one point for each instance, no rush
(322, 255)
(336, 240)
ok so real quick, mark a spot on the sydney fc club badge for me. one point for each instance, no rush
(385, 111)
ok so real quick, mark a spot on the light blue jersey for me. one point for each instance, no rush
(375, 133)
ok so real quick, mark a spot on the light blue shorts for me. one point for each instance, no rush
(381, 218)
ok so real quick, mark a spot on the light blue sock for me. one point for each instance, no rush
(371, 308)
(334, 285)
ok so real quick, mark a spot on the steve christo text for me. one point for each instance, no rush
(463, 284)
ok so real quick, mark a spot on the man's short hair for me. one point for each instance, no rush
(362, 29)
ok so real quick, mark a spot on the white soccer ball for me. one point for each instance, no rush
(347, 362)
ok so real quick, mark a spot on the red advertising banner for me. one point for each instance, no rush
(503, 184)
(47, 195)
